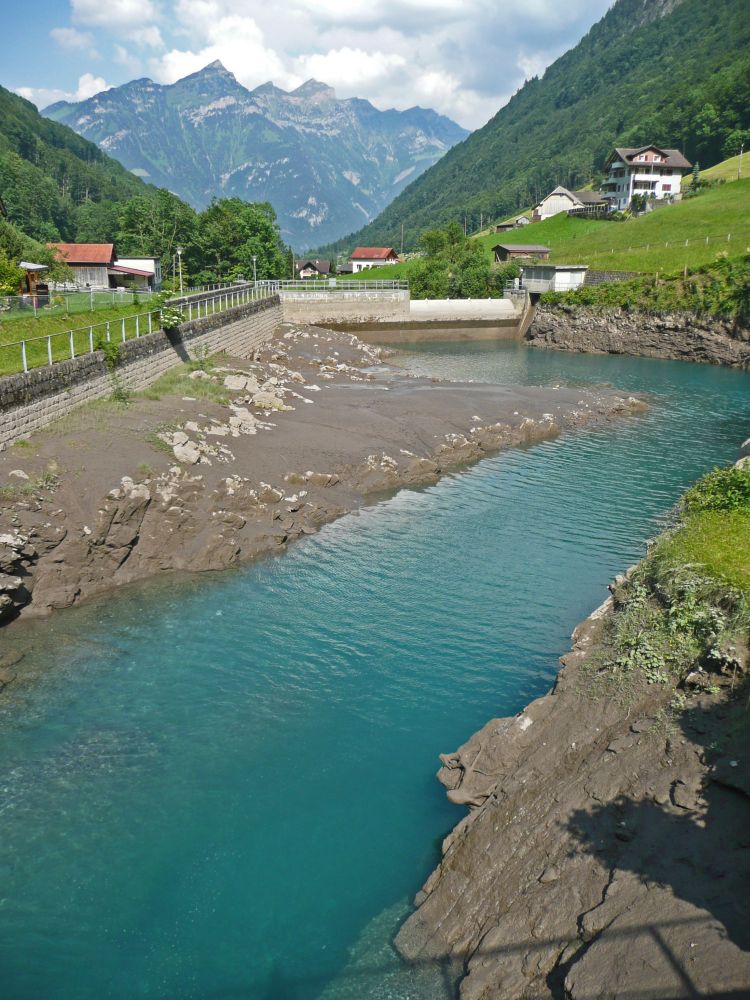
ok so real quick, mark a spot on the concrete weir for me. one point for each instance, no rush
(390, 316)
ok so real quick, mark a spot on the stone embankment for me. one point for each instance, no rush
(241, 457)
(603, 856)
(682, 336)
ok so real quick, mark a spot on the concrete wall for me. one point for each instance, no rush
(31, 401)
(337, 307)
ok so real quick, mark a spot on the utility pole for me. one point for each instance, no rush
(179, 258)
(739, 169)
(464, 223)
(255, 270)
(402, 237)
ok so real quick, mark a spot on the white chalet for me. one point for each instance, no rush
(649, 170)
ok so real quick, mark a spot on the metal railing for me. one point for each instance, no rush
(38, 352)
(335, 284)
(66, 302)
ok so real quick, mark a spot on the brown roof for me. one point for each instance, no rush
(124, 269)
(85, 253)
(522, 247)
(321, 266)
(373, 253)
(672, 157)
(588, 197)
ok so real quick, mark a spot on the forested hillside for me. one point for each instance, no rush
(55, 185)
(673, 72)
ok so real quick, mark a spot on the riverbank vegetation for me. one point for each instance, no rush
(683, 615)
(721, 288)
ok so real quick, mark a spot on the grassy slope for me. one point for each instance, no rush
(605, 245)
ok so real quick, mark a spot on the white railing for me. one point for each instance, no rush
(335, 284)
(66, 302)
(38, 352)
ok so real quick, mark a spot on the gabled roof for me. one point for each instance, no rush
(522, 247)
(85, 253)
(672, 157)
(588, 197)
(321, 266)
(373, 253)
(582, 197)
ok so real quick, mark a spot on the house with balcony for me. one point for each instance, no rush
(647, 170)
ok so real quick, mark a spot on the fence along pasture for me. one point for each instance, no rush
(38, 352)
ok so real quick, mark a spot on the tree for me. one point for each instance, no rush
(11, 275)
(236, 239)
(155, 225)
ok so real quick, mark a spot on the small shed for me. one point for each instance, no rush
(32, 278)
(552, 277)
(511, 251)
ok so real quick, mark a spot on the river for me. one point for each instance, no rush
(224, 787)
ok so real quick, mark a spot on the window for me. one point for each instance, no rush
(666, 187)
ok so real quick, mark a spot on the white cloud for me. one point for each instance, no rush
(88, 85)
(71, 38)
(125, 58)
(237, 41)
(349, 69)
(461, 57)
(114, 13)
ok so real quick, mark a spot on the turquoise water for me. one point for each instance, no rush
(219, 788)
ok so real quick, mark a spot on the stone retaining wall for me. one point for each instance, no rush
(680, 335)
(605, 277)
(30, 401)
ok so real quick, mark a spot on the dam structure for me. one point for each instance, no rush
(384, 311)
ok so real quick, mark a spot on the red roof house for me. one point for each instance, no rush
(89, 262)
(364, 257)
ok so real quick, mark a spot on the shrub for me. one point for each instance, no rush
(722, 489)
(171, 317)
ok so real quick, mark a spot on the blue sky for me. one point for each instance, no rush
(462, 57)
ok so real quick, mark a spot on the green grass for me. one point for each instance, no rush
(177, 382)
(727, 170)
(716, 543)
(58, 327)
(639, 244)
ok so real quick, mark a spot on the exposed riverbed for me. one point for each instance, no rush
(219, 787)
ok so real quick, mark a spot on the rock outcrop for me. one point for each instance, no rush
(603, 852)
(682, 336)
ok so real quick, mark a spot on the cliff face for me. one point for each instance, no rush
(602, 855)
(682, 336)
(326, 165)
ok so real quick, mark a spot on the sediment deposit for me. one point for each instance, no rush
(306, 431)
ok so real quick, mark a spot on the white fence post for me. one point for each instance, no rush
(49, 349)
(123, 329)
(23, 356)
(72, 346)
(91, 339)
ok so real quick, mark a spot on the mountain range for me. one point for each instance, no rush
(326, 165)
(671, 72)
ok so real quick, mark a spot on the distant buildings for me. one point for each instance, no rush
(97, 266)
(647, 170)
(364, 257)
(573, 202)
(312, 268)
